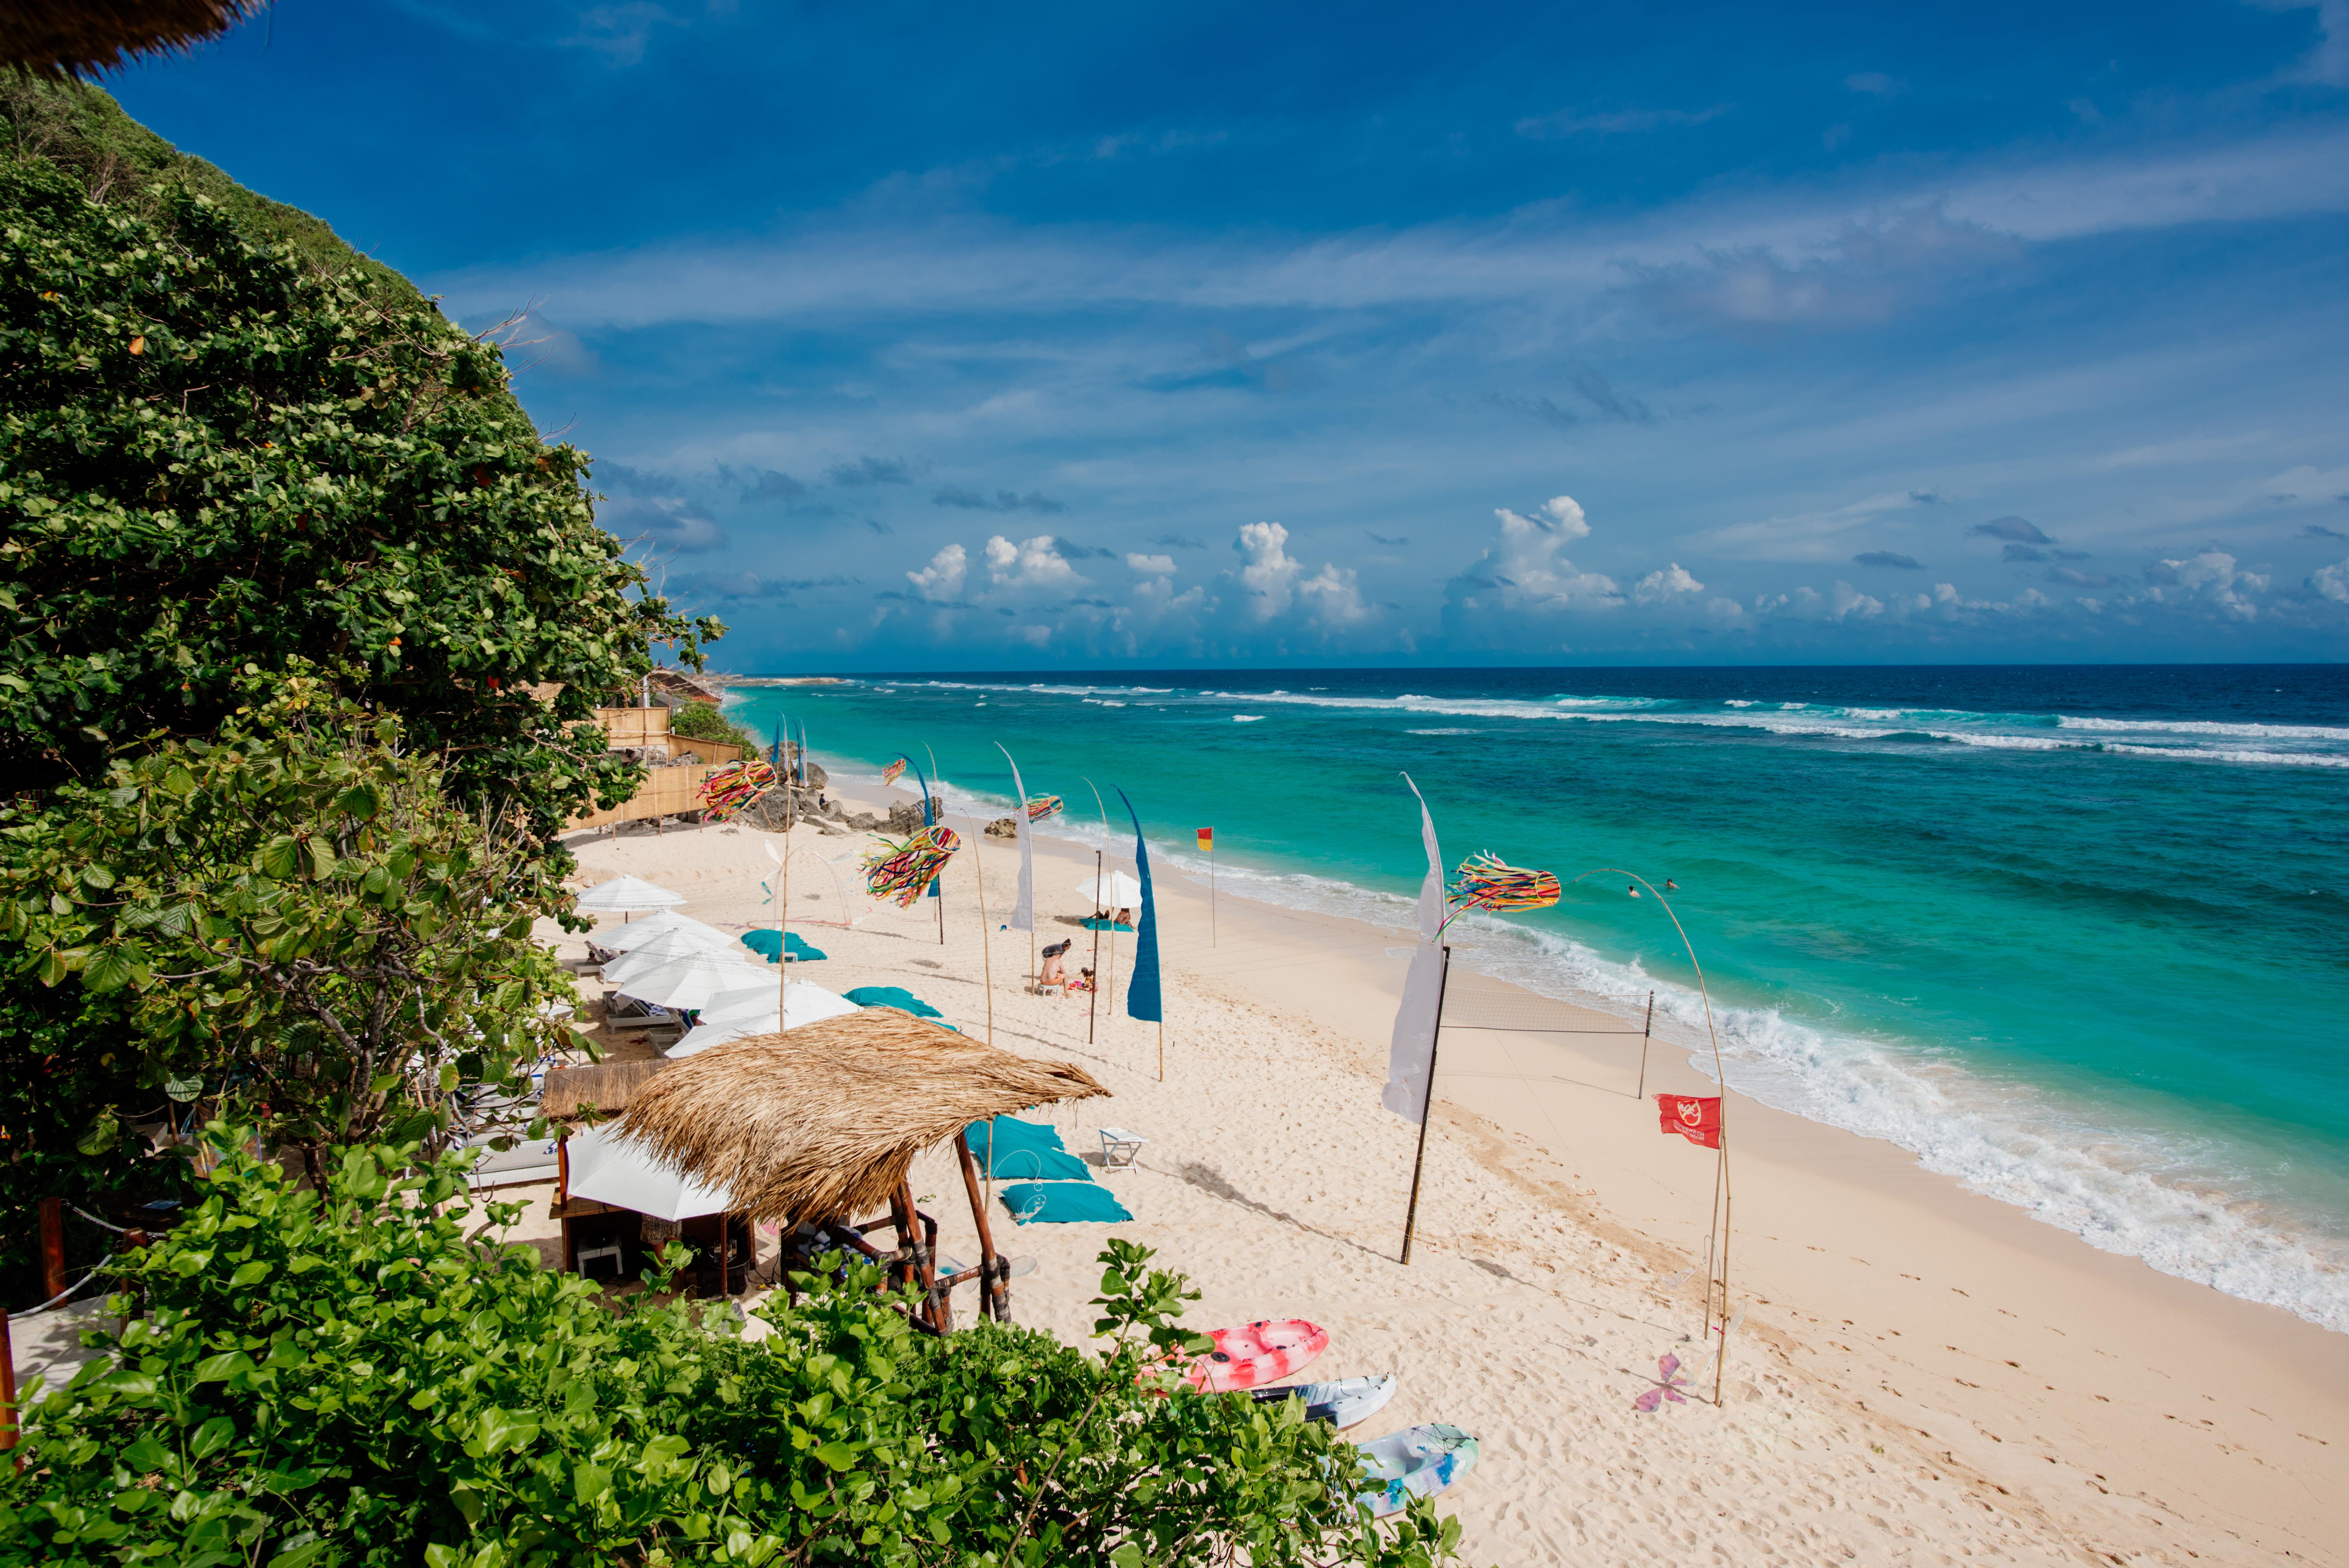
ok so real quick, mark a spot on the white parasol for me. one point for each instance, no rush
(623, 895)
(661, 922)
(619, 1170)
(725, 1020)
(1127, 891)
(690, 981)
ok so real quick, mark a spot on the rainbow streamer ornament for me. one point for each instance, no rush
(729, 789)
(1486, 881)
(891, 774)
(1042, 806)
(901, 872)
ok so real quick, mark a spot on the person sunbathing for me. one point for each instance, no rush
(1126, 917)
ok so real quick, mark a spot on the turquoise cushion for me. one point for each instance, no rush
(891, 996)
(1024, 1149)
(762, 942)
(1061, 1202)
(1105, 925)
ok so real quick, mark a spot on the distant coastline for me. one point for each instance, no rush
(726, 680)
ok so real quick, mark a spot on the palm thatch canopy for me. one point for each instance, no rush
(62, 39)
(601, 1086)
(823, 1120)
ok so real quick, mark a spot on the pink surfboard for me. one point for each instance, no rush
(1257, 1353)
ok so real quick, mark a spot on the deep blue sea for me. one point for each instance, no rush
(2077, 936)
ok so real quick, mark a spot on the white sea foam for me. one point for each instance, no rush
(1247, 719)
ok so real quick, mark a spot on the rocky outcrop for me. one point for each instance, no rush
(1003, 827)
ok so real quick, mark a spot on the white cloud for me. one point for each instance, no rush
(2209, 578)
(1030, 564)
(2333, 582)
(1848, 602)
(1659, 586)
(942, 578)
(1269, 575)
(1335, 599)
(1560, 515)
(1151, 565)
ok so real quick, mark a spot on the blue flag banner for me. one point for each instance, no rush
(926, 820)
(1142, 1000)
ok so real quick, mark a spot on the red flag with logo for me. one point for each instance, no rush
(1696, 1117)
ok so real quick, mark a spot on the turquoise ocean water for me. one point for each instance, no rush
(2078, 937)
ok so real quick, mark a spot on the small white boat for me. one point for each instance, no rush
(1342, 1404)
(1418, 1462)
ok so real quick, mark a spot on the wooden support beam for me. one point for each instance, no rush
(994, 1283)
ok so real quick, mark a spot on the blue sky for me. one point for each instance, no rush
(922, 337)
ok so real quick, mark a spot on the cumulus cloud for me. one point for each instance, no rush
(1032, 563)
(1332, 598)
(943, 577)
(1659, 587)
(1267, 574)
(2209, 578)
(1151, 565)
(1561, 515)
(1888, 559)
(1524, 572)
(1847, 602)
(2332, 581)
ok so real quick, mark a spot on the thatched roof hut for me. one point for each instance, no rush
(823, 1120)
(60, 39)
(610, 1087)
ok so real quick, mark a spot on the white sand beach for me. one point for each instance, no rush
(1922, 1375)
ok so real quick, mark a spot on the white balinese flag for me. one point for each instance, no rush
(1023, 908)
(1413, 1053)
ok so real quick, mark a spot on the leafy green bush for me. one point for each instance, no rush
(355, 1379)
(291, 917)
(707, 721)
(214, 453)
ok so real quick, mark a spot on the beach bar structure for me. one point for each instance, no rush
(615, 1205)
(816, 1125)
(669, 790)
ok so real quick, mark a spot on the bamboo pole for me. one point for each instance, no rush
(1427, 1105)
(1103, 870)
(1647, 1032)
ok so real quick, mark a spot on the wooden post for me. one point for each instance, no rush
(1427, 1105)
(985, 937)
(924, 1268)
(1646, 1031)
(53, 1248)
(993, 1286)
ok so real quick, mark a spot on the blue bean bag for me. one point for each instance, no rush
(763, 943)
(1024, 1149)
(1062, 1202)
(892, 996)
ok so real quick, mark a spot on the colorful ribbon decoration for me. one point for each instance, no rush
(892, 773)
(900, 871)
(1042, 806)
(729, 789)
(1486, 881)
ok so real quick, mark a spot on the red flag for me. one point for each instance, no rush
(1696, 1117)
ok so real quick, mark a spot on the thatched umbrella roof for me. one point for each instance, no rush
(597, 1086)
(59, 39)
(823, 1120)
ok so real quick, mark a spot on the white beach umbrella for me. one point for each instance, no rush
(660, 922)
(1122, 890)
(619, 1170)
(625, 894)
(671, 947)
(806, 1003)
(689, 981)
(673, 932)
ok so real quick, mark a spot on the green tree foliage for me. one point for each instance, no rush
(290, 916)
(360, 1382)
(707, 721)
(216, 450)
